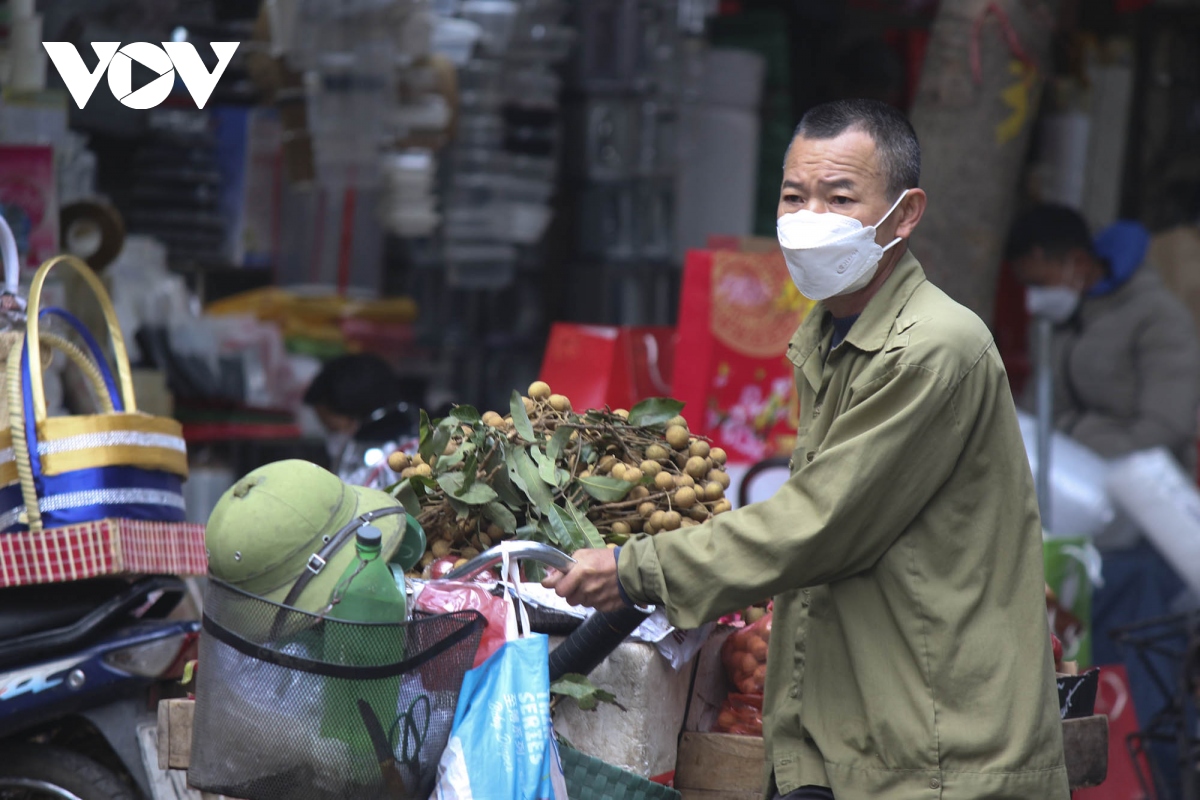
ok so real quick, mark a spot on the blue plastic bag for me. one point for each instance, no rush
(502, 745)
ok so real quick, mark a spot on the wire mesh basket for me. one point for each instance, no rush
(292, 706)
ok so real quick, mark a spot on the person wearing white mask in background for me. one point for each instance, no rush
(1126, 357)
(910, 654)
(1126, 367)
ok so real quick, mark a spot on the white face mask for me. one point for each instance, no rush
(831, 254)
(1055, 303)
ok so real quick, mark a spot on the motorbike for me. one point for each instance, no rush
(363, 460)
(82, 667)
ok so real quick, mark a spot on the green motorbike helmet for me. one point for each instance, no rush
(267, 532)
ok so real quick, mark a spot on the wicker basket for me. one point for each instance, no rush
(591, 779)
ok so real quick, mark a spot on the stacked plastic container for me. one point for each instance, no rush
(637, 62)
(502, 167)
(351, 54)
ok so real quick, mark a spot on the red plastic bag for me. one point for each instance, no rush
(741, 714)
(744, 655)
(442, 597)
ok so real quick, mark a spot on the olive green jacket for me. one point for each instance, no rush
(909, 655)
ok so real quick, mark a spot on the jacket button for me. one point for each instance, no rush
(934, 783)
(791, 463)
(793, 693)
(817, 410)
(811, 455)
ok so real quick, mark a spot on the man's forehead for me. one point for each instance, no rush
(849, 156)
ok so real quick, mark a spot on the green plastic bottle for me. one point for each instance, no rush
(366, 592)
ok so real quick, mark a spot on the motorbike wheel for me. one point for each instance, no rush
(37, 772)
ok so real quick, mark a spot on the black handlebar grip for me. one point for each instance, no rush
(591, 642)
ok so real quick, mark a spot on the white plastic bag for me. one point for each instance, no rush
(1079, 503)
(1153, 489)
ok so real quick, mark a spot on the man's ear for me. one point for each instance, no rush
(909, 212)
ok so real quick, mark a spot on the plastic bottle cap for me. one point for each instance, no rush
(370, 536)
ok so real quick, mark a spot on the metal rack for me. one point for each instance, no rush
(1173, 671)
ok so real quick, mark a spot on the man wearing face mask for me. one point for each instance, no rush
(909, 655)
(1126, 357)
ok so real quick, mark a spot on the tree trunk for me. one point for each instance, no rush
(974, 137)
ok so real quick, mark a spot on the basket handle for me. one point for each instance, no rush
(36, 389)
(97, 360)
(17, 420)
(12, 259)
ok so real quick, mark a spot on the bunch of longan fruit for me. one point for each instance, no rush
(679, 479)
(686, 484)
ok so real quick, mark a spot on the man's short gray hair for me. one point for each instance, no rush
(894, 137)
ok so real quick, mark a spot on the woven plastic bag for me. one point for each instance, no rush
(502, 745)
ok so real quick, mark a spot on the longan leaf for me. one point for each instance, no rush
(470, 468)
(605, 489)
(545, 466)
(654, 412)
(453, 460)
(503, 486)
(426, 441)
(558, 442)
(498, 513)
(554, 529)
(521, 417)
(524, 474)
(590, 533)
(461, 509)
(586, 694)
(421, 484)
(441, 438)
(476, 494)
(407, 496)
(467, 414)
(500, 480)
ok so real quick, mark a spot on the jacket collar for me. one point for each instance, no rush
(871, 329)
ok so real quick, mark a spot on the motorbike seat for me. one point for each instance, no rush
(31, 609)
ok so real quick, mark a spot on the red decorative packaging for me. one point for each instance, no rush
(598, 365)
(737, 314)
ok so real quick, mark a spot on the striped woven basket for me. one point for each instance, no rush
(61, 471)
